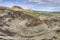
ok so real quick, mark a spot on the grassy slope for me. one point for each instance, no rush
(56, 14)
(32, 13)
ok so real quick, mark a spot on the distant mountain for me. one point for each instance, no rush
(17, 7)
(2, 8)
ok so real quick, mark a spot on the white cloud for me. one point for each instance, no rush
(36, 1)
(28, 6)
(46, 2)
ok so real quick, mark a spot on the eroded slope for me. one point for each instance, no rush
(15, 25)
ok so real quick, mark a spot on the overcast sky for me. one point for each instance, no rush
(39, 5)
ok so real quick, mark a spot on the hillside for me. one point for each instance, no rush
(17, 23)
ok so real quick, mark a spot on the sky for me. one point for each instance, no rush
(38, 5)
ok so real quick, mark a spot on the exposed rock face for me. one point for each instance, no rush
(15, 25)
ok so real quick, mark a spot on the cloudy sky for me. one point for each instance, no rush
(39, 5)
